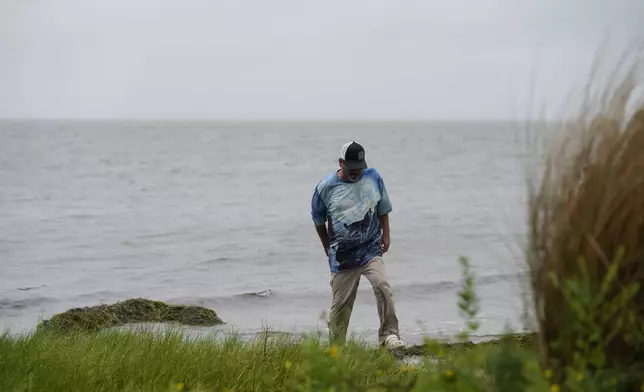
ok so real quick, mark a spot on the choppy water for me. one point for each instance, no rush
(210, 213)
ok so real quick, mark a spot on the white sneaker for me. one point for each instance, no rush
(393, 343)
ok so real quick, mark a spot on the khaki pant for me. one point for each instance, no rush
(344, 285)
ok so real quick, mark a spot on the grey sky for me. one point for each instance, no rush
(298, 59)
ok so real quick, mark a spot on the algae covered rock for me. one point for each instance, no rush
(137, 310)
(526, 339)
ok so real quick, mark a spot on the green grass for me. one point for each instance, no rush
(148, 361)
(140, 361)
(145, 360)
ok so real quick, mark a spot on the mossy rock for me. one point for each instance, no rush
(521, 339)
(137, 310)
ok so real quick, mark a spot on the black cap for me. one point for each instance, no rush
(353, 156)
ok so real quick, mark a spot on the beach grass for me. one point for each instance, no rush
(140, 361)
(586, 239)
(152, 361)
(143, 359)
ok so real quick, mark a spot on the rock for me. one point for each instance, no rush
(137, 310)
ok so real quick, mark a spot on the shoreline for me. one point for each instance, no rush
(144, 314)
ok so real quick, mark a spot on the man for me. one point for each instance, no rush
(354, 202)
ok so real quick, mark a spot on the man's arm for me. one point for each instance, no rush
(324, 236)
(386, 239)
(318, 213)
(384, 208)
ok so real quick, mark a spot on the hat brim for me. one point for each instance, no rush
(356, 165)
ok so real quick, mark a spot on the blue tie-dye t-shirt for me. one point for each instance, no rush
(353, 210)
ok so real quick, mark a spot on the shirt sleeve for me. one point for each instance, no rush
(384, 206)
(318, 207)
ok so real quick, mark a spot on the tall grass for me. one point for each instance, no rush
(586, 250)
(149, 361)
(140, 360)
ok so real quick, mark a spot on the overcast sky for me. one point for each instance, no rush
(298, 59)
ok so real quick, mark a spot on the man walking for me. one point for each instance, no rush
(354, 202)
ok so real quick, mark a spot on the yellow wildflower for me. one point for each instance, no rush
(554, 388)
(180, 386)
(449, 374)
(333, 351)
(406, 368)
(287, 364)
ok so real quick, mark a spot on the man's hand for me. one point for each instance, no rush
(386, 241)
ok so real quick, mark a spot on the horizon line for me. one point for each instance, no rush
(279, 120)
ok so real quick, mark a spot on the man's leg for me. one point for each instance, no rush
(375, 273)
(344, 287)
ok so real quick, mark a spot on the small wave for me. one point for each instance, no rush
(24, 303)
(263, 293)
(166, 234)
(28, 288)
(441, 286)
(485, 280)
(81, 216)
(228, 299)
(10, 241)
(413, 289)
(97, 295)
(216, 260)
(406, 290)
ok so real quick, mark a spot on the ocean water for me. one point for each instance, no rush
(217, 214)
